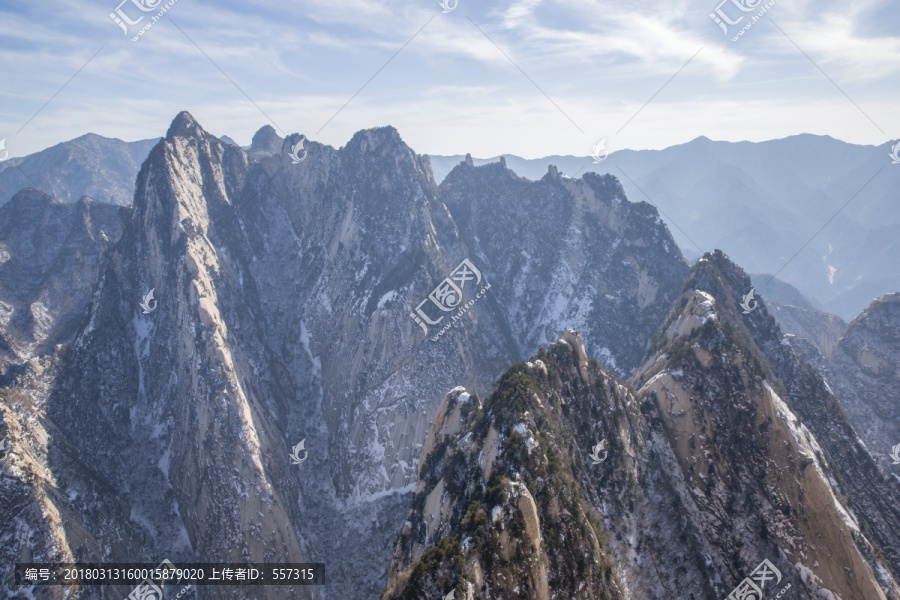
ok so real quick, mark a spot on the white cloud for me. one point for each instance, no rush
(451, 89)
(835, 44)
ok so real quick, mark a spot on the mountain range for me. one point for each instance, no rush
(670, 447)
(763, 203)
(820, 213)
(101, 168)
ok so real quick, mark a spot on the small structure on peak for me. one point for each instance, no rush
(552, 170)
(469, 160)
(574, 340)
(503, 161)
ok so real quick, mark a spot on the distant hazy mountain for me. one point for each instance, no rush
(812, 331)
(91, 165)
(761, 202)
(785, 293)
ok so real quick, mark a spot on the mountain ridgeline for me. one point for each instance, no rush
(758, 201)
(91, 165)
(761, 201)
(341, 298)
(706, 471)
(284, 298)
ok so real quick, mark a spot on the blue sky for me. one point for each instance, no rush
(577, 71)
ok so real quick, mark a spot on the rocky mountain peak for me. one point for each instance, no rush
(266, 140)
(716, 367)
(184, 125)
(883, 307)
(728, 285)
(715, 264)
(169, 191)
(574, 340)
(309, 301)
(506, 504)
(31, 199)
(378, 142)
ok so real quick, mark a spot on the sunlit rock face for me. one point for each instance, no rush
(565, 482)
(347, 302)
(283, 305)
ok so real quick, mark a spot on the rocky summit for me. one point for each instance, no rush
(680, 482)
(490, 388)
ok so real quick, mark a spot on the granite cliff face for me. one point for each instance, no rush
(815, 332)
(565, 482)
(340, 297)
(568, 253)
(50, 257)
(812, 331)
(289, 304)
(864, 372)
(779, 454)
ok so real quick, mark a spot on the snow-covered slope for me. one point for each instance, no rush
(50, 257)
(562, 252)
(336, 300)
(762, 202)
(564, 482)
(864, 371)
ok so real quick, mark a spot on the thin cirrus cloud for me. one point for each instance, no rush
(458, 85)
(638, 37)
(839, 44)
